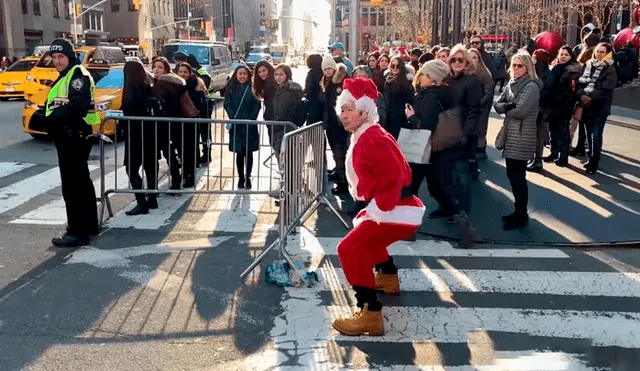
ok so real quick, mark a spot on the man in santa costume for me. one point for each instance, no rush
(377, 173)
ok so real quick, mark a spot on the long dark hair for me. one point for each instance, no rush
(402, 67)
(259, 85)
(164, 62)
(569, 50)
(286, 69)
(234, 78)
(135, 77)
(185, 65)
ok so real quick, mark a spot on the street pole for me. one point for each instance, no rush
(434, 23)
(188, 20)
(457, 22)
(75, 22)
(354, 37)
(332, 3)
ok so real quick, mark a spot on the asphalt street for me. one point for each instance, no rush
(162, 291)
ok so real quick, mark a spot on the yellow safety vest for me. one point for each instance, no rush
(203, 72)
(59, 95)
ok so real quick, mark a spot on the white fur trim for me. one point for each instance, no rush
(406, 215)
(367, 105)
(344, 98)
(352, 176)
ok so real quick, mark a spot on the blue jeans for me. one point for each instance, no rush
(595, 129)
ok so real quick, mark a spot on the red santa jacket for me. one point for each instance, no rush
(377, 172)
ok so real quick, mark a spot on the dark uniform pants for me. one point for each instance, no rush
(77, 187)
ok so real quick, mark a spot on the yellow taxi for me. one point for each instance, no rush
(12, 80)
(44, 73)
(109, 82)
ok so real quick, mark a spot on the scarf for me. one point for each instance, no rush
(516, 85)
(592, 72)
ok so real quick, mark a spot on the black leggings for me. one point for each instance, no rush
(240, 163)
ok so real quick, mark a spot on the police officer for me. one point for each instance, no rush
(69, 118)
(204, 130)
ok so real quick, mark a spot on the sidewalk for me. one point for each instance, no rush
(565, 205)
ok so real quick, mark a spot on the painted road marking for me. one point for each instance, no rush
(8, 168)
(54, 212)
(305, 243)
(611, 284)
(20, 192)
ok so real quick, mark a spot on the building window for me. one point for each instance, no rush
(25, 10)
(115, 6)
(56, 9)
(155, 9)
(67, 9)
(36, 7)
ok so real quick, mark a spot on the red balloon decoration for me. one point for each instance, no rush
(636, 41)
(636, 13)
(549, 41)
(623, 37)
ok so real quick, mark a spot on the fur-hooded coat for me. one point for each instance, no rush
(171, 90)
(331, 89)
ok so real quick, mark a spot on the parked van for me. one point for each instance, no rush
(214, 57)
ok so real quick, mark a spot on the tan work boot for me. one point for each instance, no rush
(389, 283)
(363, 322)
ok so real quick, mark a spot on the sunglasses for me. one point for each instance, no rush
(517, 65)
(475, 42)
(457, 60)
(394, 66)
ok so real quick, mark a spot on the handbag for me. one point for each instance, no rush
(448, 131)
(501, 138)
(415, 144)
(239, 106)
(577, 112)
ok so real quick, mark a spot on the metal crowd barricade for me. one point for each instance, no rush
(178, 140)
(301, 186)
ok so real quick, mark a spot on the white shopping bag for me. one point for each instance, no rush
(415, 145)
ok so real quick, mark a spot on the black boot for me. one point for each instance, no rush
(141, 208)
(333, 176)
(577, 152)
(551, 158)
(520, 220)
(341, 188)
(593, 165)
(507, 218)
(188, 182)
(152, 202)
(69, 240)
(247, 182)
(535, 165)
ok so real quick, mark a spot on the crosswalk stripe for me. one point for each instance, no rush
(8, 168)
(305, 243)
(20, 192)
(605, 284)
(53, 213)
(452, 325)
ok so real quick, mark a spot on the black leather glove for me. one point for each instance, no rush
(509, 106)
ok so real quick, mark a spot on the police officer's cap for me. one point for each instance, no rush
(180, 56)
(63, 46)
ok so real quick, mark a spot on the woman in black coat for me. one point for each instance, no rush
(140, 138)
(241, 104)
(398, 92)
(312, 89)
(264, 89)
(558, 99)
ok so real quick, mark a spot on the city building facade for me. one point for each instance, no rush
(268, 11)
(25, 24)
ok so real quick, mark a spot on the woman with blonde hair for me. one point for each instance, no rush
(519, 103)
(487, 99)
(596, 95)
(467, 93)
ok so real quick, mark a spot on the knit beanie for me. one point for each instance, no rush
(328, 62)
(436, 69)
(63, 46)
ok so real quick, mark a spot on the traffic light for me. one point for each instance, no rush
(136, 4)
(78, 10)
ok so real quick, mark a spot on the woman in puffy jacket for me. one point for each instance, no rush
(241, 104)
(557, 100)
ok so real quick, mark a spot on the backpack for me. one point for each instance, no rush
(448, 131)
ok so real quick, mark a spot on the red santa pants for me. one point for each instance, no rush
(365, 246)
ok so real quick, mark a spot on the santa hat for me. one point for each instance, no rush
(363, 93)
